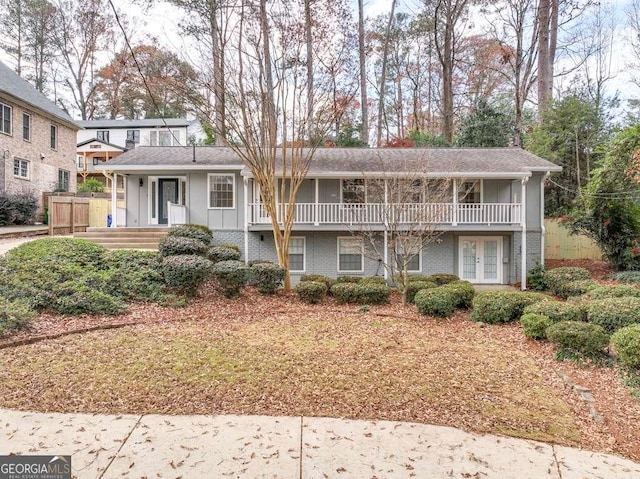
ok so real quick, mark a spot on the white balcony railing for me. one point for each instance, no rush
(378, 213)
(177, 214)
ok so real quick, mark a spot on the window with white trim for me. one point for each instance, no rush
(5, 119)
(350, 255)
(63, 180)
(26, 127)
(21, 168)
(470, 192)
(53, 142)
(297, 248)
(221, 191)
(410, 248)
(102, 135)
(353, 191)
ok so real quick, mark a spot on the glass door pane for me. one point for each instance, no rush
(469, 267)
(490, 266)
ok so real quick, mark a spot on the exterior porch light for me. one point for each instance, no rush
(141, 182)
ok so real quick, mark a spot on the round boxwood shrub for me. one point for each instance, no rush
(414, 286)
(557, 311)
(199, 232)
(319, 278)
(223, 253)
(180, 245)
(348, 279)
(626, 276)
(237, 248)
(614, 313)
(503, 306)
(556, 277)
(374, 280)
(535, 326)
(14, 315)
(584, 338)
(613, 291)
(442, 278)
(435, 302)
(267, 277)
(186, 273)
(463, 292)
(627, 343)
(575, 288)
(372, 293)
(311, 291)
(344, 292)
(231, 276)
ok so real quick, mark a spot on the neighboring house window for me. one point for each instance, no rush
(164, 138)
(54, 137)
(80, 162)
(103, 135)
(221, 191)
(63, 180)
(412, 248)
(133, 138)
(296, 254)
(21, 168)
(5, 118)
(96, 161)
(470, 192)
(350, 255)
(26, 127)
(353, 190)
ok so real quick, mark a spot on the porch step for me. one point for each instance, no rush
(124, 238)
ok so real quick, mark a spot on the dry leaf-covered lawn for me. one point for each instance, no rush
(277, 356)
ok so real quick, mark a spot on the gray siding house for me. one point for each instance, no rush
(491, 218)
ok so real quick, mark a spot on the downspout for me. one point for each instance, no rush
(523, 243)
(543, 229)
(245, 184)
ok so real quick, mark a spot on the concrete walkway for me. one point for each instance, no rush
(193, 447)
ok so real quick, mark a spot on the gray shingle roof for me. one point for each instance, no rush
(146, 123)
(13, 85)
(356, 161)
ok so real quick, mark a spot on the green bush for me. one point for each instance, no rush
(535, 326)
(132, 259)
(557, 311)
(414, 286)
(181, 246)
(198, 232)
(90, 185)
(318, 278)
(435, 302)
(344, 292)
(575, 288)
(267, 277)
(224, 253)
(627, 276)
(503, 306)
(311, 291)
(348, 279)
(584, 338)
(535, 278)
(614, 313)
(627, 343)
(74, 297)
(186, 273)
(555, 278)
(442, 278)
(70, 251)
(372, 293)
(17, 209)
(231, 276)
(397, 278)
(614, 291)
(14, 315)
(463, 292)
(237, 248)
(374, 280)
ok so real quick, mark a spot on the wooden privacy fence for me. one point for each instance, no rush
(68, 214)
(560, 244)
(99, 209)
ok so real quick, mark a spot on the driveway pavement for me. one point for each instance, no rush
(193, 447)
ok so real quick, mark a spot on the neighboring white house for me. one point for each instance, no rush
(491, 217)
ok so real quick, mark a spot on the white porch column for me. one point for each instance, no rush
(523, 243)
(316, 219)
(245, 185)
(455, 203)
(114, 200)
(386, 254)
(542, 227)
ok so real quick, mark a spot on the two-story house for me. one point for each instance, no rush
(37, 140)
(491, 216)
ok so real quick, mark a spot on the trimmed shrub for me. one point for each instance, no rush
(231, 276)
(17, 209)
(319, 278)
(344, 292)
(463, 292)
(198, 232)
(255, 261)
(575, 288)
(414, 286)
(237, 248)
(614, 313)
(626, 276)
(435, 302)
(584, 338)
(535, 326)
(535, 278)
(397, 278)
(374, 280)
(181, 246)
(556, 277)
(267, 277)
(77, 298)
(442, 278)
(557, 311)
(372, 293)
(503, 306)
(224, 253)
(615, 291)
(132, 259)
(311, 291)
(14, 315)
(349, 279)
(627, 343)
(186, 273)
(70, 251)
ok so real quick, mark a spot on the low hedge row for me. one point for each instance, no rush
(503, 306)
(557, 311)
(627, 343)
(557, 278)
(614, 313)
(311, 292)
(361, 292)
(583, 338)
(443, 300)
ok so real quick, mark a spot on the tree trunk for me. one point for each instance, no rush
(218, 80)
(309, 42)
(364, 131)
(545, 82)
(383, 74)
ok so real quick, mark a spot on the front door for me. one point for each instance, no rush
(480, 259)
(167, 191)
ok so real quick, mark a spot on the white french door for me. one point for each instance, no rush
(480, 259)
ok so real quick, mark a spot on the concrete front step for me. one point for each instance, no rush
(151, 229)
(124, 238)
(151, 246)
(119, 234)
